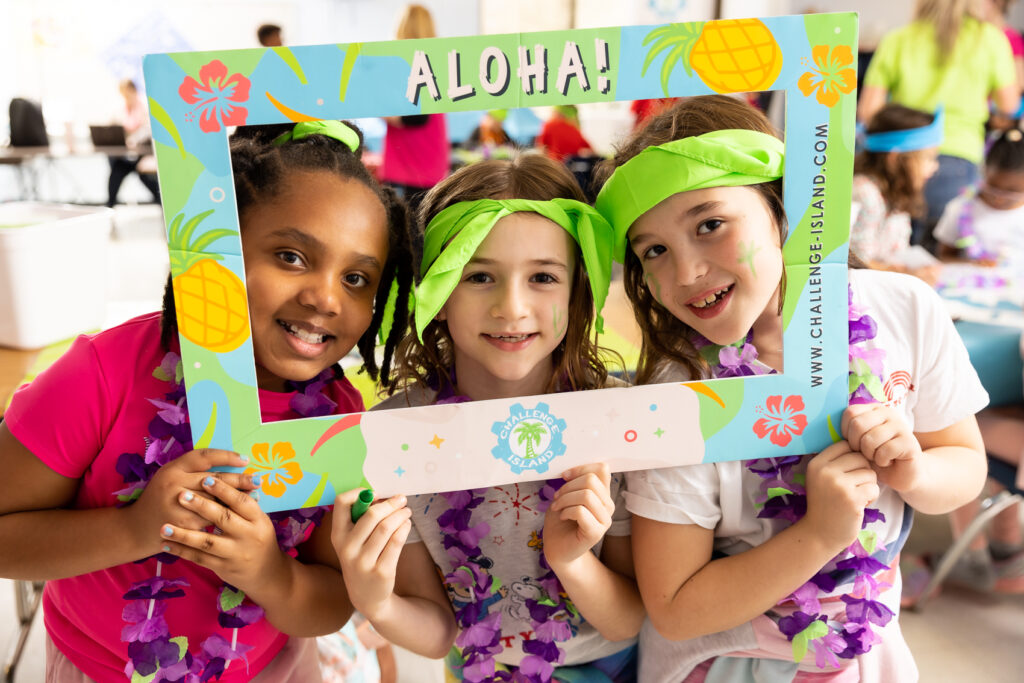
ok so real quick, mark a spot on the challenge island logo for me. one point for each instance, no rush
(529, 439)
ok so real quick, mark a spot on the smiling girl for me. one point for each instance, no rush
(539, 573)
(103, 496)
(747, 566)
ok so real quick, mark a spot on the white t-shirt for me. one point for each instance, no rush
(928, 378)
(998, 231)
(512, 544)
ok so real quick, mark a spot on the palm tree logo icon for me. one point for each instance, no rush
(531, 433)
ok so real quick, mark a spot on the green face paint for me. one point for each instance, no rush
(747, 252)
(559, 321)
(649, 279)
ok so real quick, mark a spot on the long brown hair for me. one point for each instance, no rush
(665, 337)
(578, 359)
(947, 17)
(895, 175)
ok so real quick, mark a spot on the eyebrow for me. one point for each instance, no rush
(311, 243)
(534, 262)
(703, 207)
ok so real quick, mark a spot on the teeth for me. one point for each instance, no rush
(307, 337)
(510, 338)
(710, 299)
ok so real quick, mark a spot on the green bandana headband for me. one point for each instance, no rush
(339, 130)
(721, 158)
(454, 235)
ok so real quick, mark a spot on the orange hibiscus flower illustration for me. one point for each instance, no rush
(781, 419)
(832, 76)
(216, 97)
(276, 468)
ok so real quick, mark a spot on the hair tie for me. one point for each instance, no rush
(908, 139)
(1013, 135)
(453, 235)
(722, 158)
(339, 130)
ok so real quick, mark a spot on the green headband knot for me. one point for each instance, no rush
(721, 158)
(339, 130)
(454, 235)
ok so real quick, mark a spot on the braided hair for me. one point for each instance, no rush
(259, 168)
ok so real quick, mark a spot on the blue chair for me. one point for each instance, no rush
(1006, 475)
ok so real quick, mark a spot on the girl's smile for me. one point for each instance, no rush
(713, 258)
(314, 255)
(508, 313)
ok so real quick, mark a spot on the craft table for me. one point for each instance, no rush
(987, 305)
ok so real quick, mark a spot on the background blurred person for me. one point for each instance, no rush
(944, 57)
(416, 150)
(269, 35)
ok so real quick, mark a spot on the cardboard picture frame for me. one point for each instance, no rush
(195, 97)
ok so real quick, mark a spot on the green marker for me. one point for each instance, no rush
(362, 504)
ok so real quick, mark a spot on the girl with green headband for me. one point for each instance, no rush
(539, 574)
(787, 567)
(110, 503)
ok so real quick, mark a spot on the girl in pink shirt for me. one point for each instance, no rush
(105, 499)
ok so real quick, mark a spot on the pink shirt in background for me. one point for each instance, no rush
(1016, 41)
(78, 417)
(416, 155)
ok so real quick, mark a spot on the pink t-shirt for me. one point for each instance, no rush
(416, 155)
(1016, 41)
(78, 417)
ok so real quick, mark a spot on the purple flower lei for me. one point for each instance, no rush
(479, 637)
(783, 497)
(154, 655)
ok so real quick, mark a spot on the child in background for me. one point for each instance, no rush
(505, 308)
(108, 502)
(986, 223)
(736, 559)
(560, 136)
(900, 154)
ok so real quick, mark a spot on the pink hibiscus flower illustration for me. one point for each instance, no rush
(781, 420)
(215, 97)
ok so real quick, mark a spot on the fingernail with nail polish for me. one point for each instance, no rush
(256, 481)
(166, 548)
(168, 530)
(188, 496)
(208, 481)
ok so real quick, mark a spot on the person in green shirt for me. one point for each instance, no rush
(949, 59)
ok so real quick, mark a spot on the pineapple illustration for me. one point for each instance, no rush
(210, 300)
(730, 55)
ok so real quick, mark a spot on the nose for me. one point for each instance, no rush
(689, 267)
(510, 302)
(321, 293)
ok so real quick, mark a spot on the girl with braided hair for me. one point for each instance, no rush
(110, 504)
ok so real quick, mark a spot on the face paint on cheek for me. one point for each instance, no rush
(747, 252)
(653, 286)
(559, 321)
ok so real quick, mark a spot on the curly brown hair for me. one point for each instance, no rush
(894, 173)
(664, 337)
(578, 360)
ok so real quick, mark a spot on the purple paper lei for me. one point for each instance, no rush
(152, 651)
(967, 239)
(479, 637)
(783, 497)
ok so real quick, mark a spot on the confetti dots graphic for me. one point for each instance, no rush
(197, 365)
(405, 446)
(654, 406)
(400, 471)
(630, 435)
(658, 432)
(436, 442)
(430, 467)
